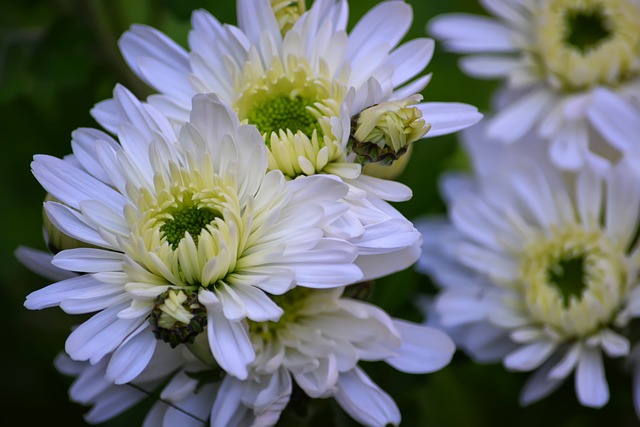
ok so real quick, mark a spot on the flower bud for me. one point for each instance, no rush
(287, 13)
(384, 131)
(178, 317)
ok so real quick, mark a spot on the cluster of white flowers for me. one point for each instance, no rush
(212, 234)
(537, 262)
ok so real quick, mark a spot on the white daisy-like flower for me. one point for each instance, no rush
(185, 233)
(317, 343)
(301, 89)
(571, 71)
(538, 267)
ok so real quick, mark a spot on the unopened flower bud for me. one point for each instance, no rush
(178, 317)
(389, 171)
(384, 131)
(287, 13)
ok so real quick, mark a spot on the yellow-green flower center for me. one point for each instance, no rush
(284, 113)
(187, 219)
(295, 107)
(578, 44)
(190, 228)
(572, 281)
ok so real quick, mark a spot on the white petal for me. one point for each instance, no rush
(568, 363)
(142, 41)
(229, 341)
(410, 59)
(317, 382)
(488, 66)
(539, 385)
(76, 287)
(228, 410)
(133, 356)
(567, 148)
(424, 349)
(529, 357)
(467, 33)
(100, 335)
(73, 224)
(591, 384)
(384, 189)
(40, 263)
(615, 118)
(365, 401)
(613, 344)
(71, 185)
(623, 199)
(448, 117)
(89, 260)
(516, 119)
(380, 265)
(256, 17)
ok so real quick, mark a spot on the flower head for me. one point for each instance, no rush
(538, 267)
(300, 87)
(185, 232)
(571, 70)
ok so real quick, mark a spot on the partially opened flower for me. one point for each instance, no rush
(571, 71)
(184, 233)
(538, 268)
(317, 344)
(301, 89)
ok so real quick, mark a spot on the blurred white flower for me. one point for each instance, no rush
(318, 343)
(538, 267)
(571, 72)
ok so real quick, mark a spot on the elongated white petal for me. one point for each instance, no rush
(424, 349)
(591, 384)
(365, 401)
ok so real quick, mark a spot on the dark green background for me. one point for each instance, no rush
(57, 59)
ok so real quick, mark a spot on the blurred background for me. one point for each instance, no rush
(58, 58)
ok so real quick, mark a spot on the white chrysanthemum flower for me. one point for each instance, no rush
(571, 70)
(318, 343)
(295, 88)
(187, 232)
(539, 268)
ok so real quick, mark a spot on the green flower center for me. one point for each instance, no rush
(572, 280)
(586, 28)
(188, 219)
(568, 276)
(284, 113)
